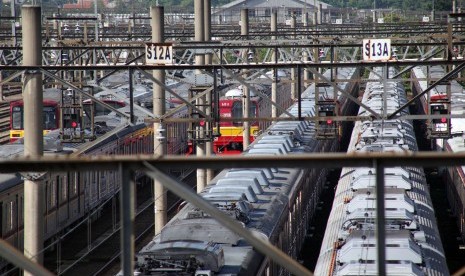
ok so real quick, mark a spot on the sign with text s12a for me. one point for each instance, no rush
(159, 53)
(376, 49)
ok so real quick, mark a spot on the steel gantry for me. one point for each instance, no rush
(155, 167)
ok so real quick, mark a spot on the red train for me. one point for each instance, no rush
(230, 138)
(51, 112)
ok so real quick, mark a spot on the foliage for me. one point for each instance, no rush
(183, 5)
(439, 5)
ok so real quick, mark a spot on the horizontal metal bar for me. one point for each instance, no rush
(250, 66)
(318, 160)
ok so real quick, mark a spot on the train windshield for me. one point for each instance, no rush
(236, 111)
(17, 117)
(50, 118)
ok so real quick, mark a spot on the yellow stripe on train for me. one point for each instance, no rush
(237, 131)
(19, 133)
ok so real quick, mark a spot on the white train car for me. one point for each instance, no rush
(413, 244)
(70, 196)
(275, 203)
(455, 144)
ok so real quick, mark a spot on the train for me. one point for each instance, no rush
(413, 242)
(276, 203)
(71, 196)
(52, 112)
(228, 138)
(454, 176)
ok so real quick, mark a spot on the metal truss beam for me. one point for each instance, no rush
(317, 160)
(154, 167)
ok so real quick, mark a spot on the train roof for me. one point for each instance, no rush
(412, 237)
(259, 198)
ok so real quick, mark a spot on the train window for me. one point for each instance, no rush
(253, 110)
(17, 118)
(10, 218)
(236, 111)
(103, 183)
(50, 118)
(74, 184)
(64, 189)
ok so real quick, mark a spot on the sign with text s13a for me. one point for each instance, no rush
(158, 53)
(376, 49)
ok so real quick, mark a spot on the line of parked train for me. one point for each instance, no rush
(413, 243)
(227, 141)
(454, 143)
(276, 203)
(72, 195)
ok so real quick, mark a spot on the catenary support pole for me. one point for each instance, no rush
(208, 107)
(127, 211)
(306, 54)
(33, 128)
(245, 89)
(200, 60)
(274, 57)
(293, 70)
(380, 217)
(160, 198)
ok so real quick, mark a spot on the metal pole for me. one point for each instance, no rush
(293, 76)
(380, 216)
(208, 106)
(274, 85)
(245, 89)
(13, 24)
(33, 128)
(305, 55)
(131, 95)
(94, 51)
(127, 196)
(157, 14)
(200, 60)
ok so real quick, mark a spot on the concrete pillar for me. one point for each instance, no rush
(200, 60)
(245, 90)
(208, 60)
(274, 85)
(375, 17)
(207, 26)
(157, 15)
(320, 14)
(33, 128)
(127, 211)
